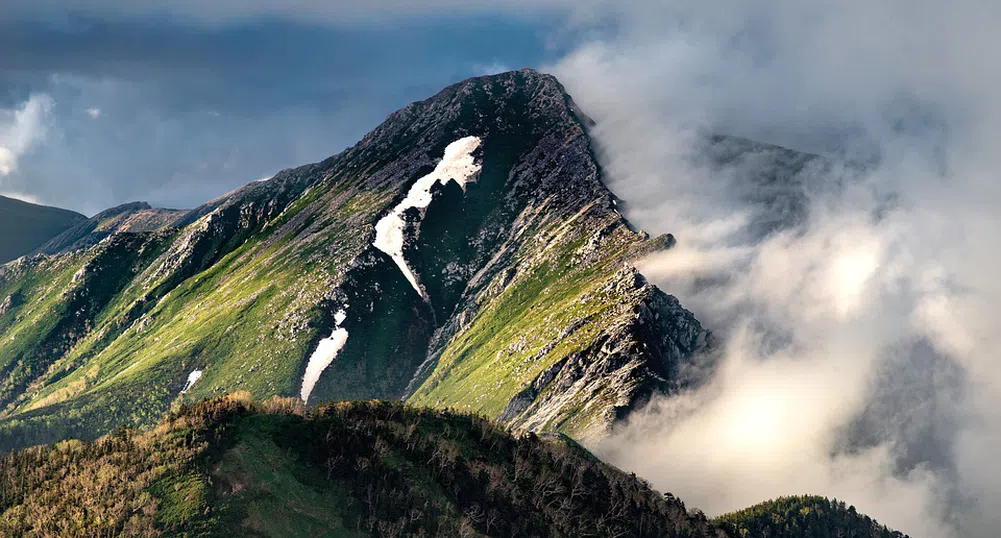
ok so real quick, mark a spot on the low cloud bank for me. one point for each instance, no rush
(853, 291)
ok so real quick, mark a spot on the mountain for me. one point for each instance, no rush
(230, 467)
(804, 517)
(464, 263)
(27, 226)
(135, 217)
(464, 254)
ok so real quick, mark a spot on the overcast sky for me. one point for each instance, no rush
(109, 101)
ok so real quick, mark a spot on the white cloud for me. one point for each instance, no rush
(838, 328)
(94, 113)
(20, 129)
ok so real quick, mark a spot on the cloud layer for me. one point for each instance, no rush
(859, 356)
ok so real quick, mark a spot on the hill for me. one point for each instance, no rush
(804, 517)
(27, 226)
(228, 467)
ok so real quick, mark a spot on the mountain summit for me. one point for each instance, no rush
(464, 254)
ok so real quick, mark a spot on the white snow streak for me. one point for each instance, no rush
(193, 378)
(457, 164)
(324, 355)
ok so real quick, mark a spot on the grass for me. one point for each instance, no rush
(247, 318)
(515, 335)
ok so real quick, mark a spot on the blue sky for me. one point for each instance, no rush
(176, 108)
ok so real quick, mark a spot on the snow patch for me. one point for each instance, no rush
(324, 355)
(193, 378)
(458, 164)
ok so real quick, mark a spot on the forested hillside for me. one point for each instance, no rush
(230, 467)
(804, 517)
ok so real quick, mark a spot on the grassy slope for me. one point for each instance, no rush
(26, 227)
(247, 319)
(518, 333)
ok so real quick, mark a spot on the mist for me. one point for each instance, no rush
(851, 285)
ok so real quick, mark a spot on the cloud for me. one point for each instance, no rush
(191, 111)
(490, 69)
(94, 113)
(20, 129)
(852, 292)
(337, 12)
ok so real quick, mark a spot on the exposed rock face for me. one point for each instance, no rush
(6, 304)
(633, 356)
(529, 308)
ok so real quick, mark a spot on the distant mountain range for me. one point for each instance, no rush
(465, 255)
(26, 226)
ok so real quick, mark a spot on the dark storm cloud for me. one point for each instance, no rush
(176, 113)
(331, 12)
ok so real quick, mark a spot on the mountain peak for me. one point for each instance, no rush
(502, 283)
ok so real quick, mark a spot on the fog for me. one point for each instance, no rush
(853, 292)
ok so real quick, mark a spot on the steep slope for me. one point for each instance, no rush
(803, 517)
(230, 467)
(464, 254)
(25, 226)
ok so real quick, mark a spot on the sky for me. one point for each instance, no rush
(108, 103)
(858, 337)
